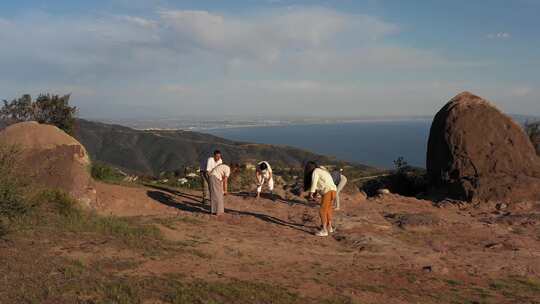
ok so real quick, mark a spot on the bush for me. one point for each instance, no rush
(47, 109)
(533, 131)
(241, 180)
(58, 202)
(404, 180)
(106, 173)
(12, 202)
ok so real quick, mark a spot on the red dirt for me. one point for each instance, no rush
(388, 249)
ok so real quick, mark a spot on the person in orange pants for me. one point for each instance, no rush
(319, 180)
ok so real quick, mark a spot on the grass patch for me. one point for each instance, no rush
(73, 218)
(453, 283)
(120, 292)
(230, 292)
(172, 222)
(30, 276)
(57, 211)
(518, 289)
(12, 185)
(72, 270)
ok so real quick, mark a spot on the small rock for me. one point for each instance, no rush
(494, 245)
(427, 269)
(383, 191)
(501, 206)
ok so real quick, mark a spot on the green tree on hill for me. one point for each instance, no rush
(46, 109)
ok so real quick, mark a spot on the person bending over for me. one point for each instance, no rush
(264, 175)
(218, 188)
(320, 180)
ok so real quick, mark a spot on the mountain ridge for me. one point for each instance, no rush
(154, 151)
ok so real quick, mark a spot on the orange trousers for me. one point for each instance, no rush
(327, 208)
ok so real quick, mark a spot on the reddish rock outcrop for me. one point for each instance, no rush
(51, 158)
(477, 153)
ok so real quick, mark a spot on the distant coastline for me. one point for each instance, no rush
(209, 124)
(202, 124)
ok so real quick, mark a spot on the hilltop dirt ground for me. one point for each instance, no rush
(388, 249)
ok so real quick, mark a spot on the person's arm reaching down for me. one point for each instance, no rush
(314, 181)
(225, 185)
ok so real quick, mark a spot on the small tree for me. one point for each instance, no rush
(46, 109)
(533, 131)
(401, 165)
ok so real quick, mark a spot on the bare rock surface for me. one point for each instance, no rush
(51, 158)
(477, 153)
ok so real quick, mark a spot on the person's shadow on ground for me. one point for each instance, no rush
(164, 197)
(275, 198)
(169, 200)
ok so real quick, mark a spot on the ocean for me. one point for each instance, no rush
(373, 143)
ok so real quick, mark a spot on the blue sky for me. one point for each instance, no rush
(136, 58)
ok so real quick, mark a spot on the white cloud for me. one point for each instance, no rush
(500, 35)
(277, 61)
(146, 23)
(521, 91)
(269, 36)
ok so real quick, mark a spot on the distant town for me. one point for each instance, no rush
(198, 123)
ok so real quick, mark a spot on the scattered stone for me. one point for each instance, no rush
(528, 219)
(501, 206)
(383, 191)
(427, 269)
(404, 220)
(450, 203)
(494, 245)
(477, 153)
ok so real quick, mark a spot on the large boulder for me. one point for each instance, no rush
(477, 153)
(51, 158)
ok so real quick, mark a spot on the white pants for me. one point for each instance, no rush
(261, 183)
(340, 187)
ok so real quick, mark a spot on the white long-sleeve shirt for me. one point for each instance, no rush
(267, 173)
(221, 171)
(211, 164)
(322, 181)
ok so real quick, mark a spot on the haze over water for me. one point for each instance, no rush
(374, 143)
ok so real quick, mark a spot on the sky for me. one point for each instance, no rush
(259, 58)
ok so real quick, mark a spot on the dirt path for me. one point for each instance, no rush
(387, 250)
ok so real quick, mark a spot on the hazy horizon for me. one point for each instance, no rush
(269, 58)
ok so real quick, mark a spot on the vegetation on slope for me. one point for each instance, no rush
(105, 173)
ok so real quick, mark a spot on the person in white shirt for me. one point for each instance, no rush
(218, 188)
(319, 180)
(264, 175)
(207, 165)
